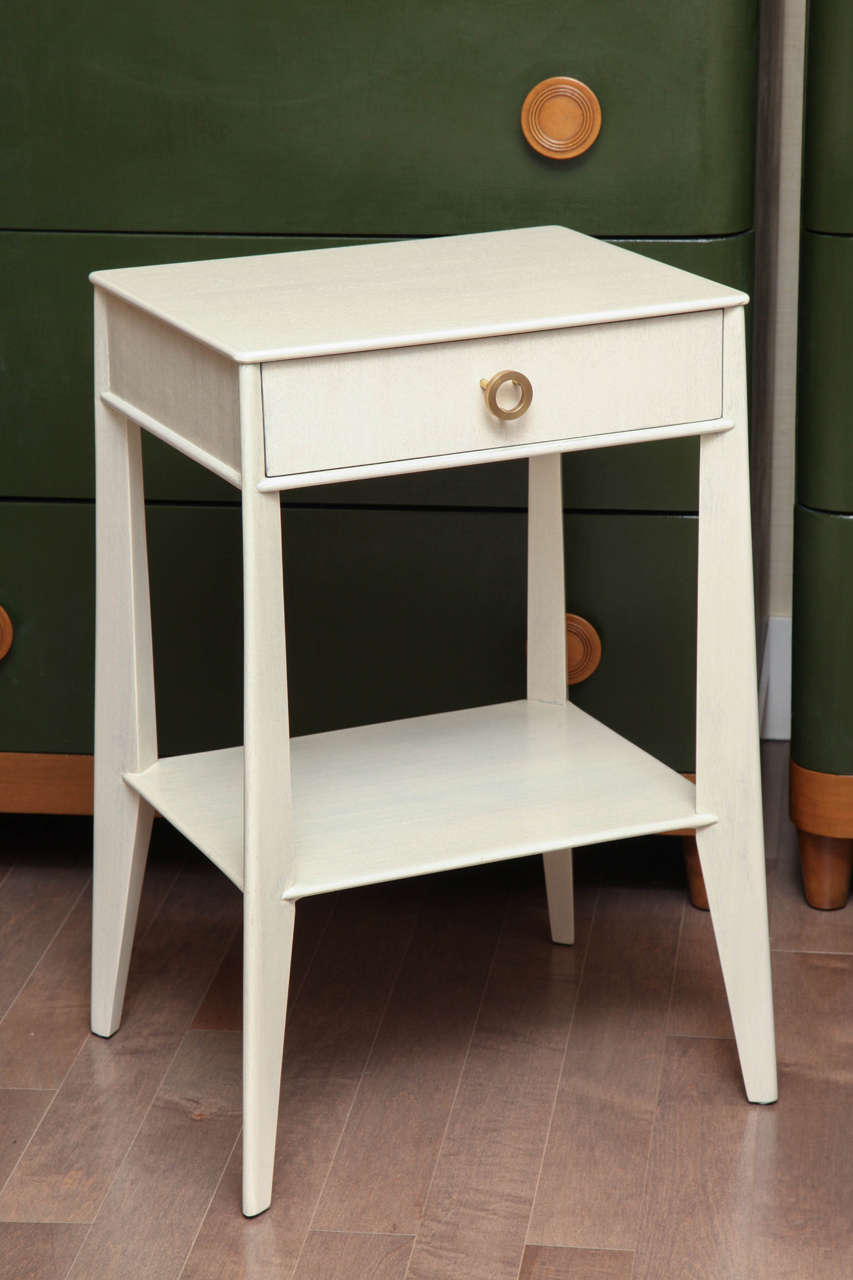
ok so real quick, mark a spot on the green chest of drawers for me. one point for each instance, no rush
(822, 701)
(150, 133)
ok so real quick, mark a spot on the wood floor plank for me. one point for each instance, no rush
(148, 1221)
(336, 1256)
(21, 1111)
(794, 925)
(94, 1118)
(698, 1216)
(476, 1216)
(311, 1119)
(804, 1172)
(590, 1192)
(543, 1263)
(813, 1001)
(48, 1023)
(35, 898)
(804, 1182)
(222, 1007)
(334, 1019)
(699, 1006)
(330, 1030)
(38, 1250)
(378, 1183)
(731, 1190)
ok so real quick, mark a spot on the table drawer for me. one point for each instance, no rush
(417, 402)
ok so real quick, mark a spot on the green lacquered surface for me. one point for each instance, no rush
(373, 118)
(825, 382)
(390, 613)
(46, 447)
(822, 684)
(47, 442)
(47, 588)
(828, 150)
(634, 578)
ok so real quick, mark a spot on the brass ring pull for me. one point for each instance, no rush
(491, 387)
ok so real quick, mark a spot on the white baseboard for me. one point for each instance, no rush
(775, 683)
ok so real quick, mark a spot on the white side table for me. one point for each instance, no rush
(305, 368)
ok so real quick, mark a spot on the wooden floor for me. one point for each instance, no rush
(462, 1100)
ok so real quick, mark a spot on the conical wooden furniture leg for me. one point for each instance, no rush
(826, 863)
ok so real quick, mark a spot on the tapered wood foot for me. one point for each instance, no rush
(696, 890)
(826, 863)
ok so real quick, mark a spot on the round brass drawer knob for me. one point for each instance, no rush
(7, 633)
(507, 404)
(561, 117)
(583, 649)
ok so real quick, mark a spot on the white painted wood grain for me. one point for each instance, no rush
(381, 802)
(284, 306)
(125, 723)
(173, 438)
(728, 777)
(267, 920)
(441, 462)
(546, 588)
(546, 650)
(620, 349)
(368, 407)
(175, 380)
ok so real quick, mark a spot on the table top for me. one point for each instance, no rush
(406, 293)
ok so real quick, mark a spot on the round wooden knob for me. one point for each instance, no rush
(561, 117)
(583, 648)
(496, 397)
(7, 633)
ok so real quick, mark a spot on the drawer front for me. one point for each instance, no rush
(825, 375)
(665, 476)
(46, 408)
(375, 119)
(822, 677)
(419, 402)
(828, 144)
(389, 614)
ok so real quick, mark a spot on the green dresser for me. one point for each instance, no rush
(822, 725)
(156, 133)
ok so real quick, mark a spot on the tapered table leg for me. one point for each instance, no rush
(728, 777)
(125, 728)
(826, 863)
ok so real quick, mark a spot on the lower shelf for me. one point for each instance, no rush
(407, 797)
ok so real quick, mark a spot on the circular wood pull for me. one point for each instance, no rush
(492, 388)
(561, 117)
(583, 648)
(7, 633)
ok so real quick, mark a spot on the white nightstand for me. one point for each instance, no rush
(307, 368)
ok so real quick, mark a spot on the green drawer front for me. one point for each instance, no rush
(374, 119)
(390, 614)
(828, 153)
(47, 442)
(825, 390)
(47, 585)
(46, 446)
(822, 687)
